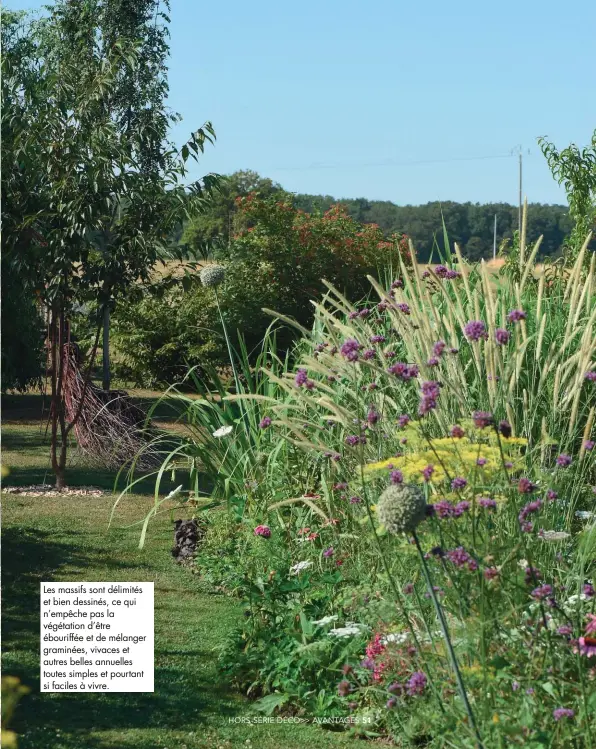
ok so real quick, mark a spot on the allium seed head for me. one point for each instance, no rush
(212, 275)
(401, 508)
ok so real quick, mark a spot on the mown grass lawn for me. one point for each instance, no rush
(66, 538)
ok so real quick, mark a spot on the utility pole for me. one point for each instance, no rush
(518, 150)
(495, 240)
(519, 221)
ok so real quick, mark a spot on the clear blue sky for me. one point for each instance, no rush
(316, 94)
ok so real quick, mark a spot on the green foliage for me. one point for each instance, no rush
(22, 335)
(471, 225)
(575, 169)
(276, 263)
(219, 218)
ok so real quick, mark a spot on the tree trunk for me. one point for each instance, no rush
(59, 441)
(106, 347)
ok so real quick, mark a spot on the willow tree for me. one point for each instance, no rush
(72, 174)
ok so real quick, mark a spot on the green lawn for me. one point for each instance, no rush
(66, 538)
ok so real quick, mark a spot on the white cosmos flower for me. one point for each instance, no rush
(297, 568)
(222, 431)
(350, 630)
(555, 535)
(523, 563)
(396, 637)
(326, 620)
(175, 492)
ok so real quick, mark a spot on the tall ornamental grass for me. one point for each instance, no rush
(413, 530)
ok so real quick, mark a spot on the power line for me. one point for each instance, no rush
(390, 162)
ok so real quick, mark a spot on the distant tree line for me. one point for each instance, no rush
(471, 225)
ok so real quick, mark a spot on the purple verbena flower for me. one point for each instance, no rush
(438, 348)
(474, 330)
(525, 486)
(265, 422)
(482, 419)
(457, 432)
(352, 440)
(396, 477)
(542, 592)
(590, 375)
(564, 460)
(403, 307)
(301, 377)
(458, 483)
(350, 348)
(377, 339)
(487, 503)
(589, 445)
(428, 472)
(563, 712)
(502, 336)
(516, 315)
(403, 421)
(416, 683)
(328, 552)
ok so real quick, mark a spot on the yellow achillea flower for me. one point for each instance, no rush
(453, 457)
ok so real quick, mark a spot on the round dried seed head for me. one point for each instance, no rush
(401, 507)
(212, 275)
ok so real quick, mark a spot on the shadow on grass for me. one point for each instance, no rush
(184, 689)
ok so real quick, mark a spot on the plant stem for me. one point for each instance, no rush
(450, 650)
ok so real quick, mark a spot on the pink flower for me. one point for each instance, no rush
(263, 530)
(587, 646)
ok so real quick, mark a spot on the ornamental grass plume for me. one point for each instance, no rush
(212, 275)
(401, 507)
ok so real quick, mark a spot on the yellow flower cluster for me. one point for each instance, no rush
(476, 454)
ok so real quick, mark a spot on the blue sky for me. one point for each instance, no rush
(341, 98)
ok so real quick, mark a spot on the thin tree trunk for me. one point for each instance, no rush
(106, 347)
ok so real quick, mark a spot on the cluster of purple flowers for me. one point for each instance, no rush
(487, 503)
(502, 336)
(482, 419)
(516, 315)
(428, 472)
(372, 416)
(457, 432)
(430, 393)
(458, 483)
(397, 284)
(416, 683)
(405, 372)
(563, 712)
(265, 422)
(350, 348)
(525, 486)
(369, 354)
(474, 330)
(444, 509)
(542, 592)
(403, 307)
(564, 460)
(353, 439)
(528, 509)
(377, 339)
(460, 558)
(591, 375)
(302, 379)
(443, 272)
(403, 421)
(396, 477)
(439, 348)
